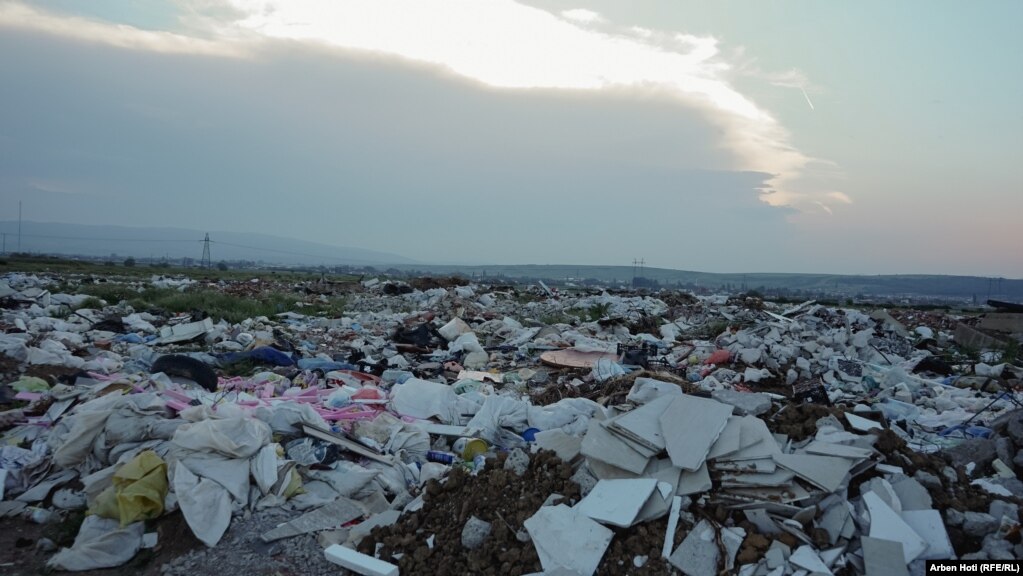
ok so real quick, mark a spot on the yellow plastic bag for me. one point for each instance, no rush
(139, 488)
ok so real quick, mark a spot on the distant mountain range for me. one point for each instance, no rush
(119, 242)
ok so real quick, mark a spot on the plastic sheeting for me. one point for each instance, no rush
(138, 490)
(234, 437)
(205, 504)
(424, 399)
(101, 543)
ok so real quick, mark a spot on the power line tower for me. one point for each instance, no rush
(206, 253)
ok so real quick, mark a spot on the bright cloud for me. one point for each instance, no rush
(502, 44)
(508, 45)
(583, 15)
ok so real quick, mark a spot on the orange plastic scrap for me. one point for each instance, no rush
(718, 357)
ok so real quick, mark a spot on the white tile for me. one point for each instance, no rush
(565, 538)
(883, 557)
(774, 479)
(762, 520)
(862, 424)
(617, 502)
(887, 525)
(698, 554)
(839, 450)
(694, 482)
(567, 447)
(827, 472)
(600, 444)
(729, 441)
(642, 425)
(929, 525)
(806, 558)
(669, 535)
(756, 440)
(690, 426)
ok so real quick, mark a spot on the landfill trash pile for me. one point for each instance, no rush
(509, 430)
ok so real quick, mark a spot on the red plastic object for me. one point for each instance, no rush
(718, 357)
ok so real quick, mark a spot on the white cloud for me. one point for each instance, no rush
(499, 43)
(583, 15)
(840, 197)
(508, 45)
(17, 15)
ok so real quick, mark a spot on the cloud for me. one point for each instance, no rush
(505, 44)
(840, 197)
(353, 149)
(502, 44)
(16, 15)
(583, 15)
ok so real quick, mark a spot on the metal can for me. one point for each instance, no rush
(441, 457)
(469, 448)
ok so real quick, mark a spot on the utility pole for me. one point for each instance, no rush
(206, 252)
(19, 225)
(5, 242)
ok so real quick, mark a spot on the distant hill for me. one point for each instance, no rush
(178, 243)
(908, 285)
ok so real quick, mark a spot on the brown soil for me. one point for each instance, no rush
(19, 556)
(506, 501)
(799, 421)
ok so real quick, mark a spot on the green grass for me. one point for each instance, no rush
(116, 270)
(217, 304)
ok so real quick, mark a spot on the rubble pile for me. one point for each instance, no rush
(508, 430)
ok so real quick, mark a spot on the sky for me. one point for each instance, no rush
(874, 137)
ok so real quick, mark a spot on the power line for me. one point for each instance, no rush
(206, 263)
(104, 239)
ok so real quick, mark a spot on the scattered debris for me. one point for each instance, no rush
(474, 432)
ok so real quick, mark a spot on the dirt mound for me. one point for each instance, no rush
(506, 501)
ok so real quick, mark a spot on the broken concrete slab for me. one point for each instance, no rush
(601, 444)
(646, 389)
(979, 524)
(928, 524)
(617, 502)
(694, 482)
(642, 425)
(698, 554)
(730, 440)
(827, 472)
(886, 524)
(746, 466)
(690, 426)
(862, 424)
(566, 446)
(751, 403)
(762, 520)
(883, 557)
(839, 450)
(768, 480)
(669, 535)
(756, 440)
(912, 495)
(806, 558)
(566, 538)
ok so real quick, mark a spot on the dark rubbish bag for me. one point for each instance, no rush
(309, 452)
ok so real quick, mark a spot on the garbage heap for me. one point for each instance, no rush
(508, 431)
